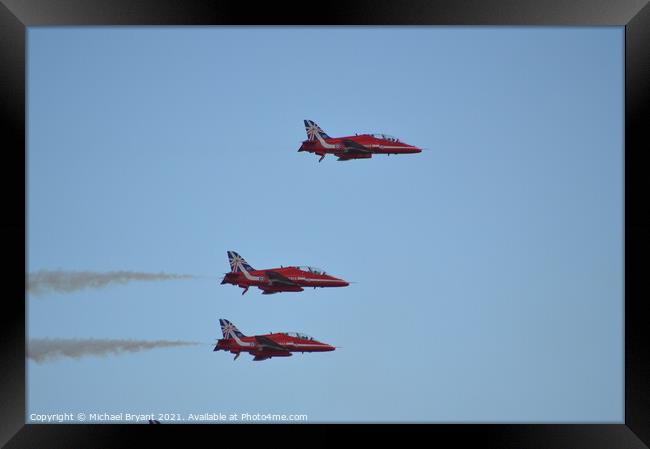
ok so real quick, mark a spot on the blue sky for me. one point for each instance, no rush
(488, 269)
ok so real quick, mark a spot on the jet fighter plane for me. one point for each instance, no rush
(359, 146)
(276, 280)
(263, 347)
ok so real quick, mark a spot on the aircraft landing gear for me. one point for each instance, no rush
(321, 158)
(245, 290)
(236, 355)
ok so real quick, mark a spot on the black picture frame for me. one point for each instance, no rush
(634, 15)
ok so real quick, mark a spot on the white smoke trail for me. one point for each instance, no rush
(60, 281)
(45, 349)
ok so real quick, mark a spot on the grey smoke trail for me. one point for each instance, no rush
(61, 281)
(44, 349)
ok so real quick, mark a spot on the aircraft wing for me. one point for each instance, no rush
(353, 147)
(268, 344)
(277, 278)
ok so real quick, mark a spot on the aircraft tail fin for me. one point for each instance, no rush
(229, 330)
(313, 130)
(237, 262)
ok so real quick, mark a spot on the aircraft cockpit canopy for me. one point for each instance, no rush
(312, 270)
(385, 137)
(299, 335)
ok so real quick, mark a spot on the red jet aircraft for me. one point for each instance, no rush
(264, 347)
(359, 146)
(276, 280)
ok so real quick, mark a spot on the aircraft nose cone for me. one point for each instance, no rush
(339, 282)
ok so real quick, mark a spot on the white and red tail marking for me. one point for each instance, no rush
(237, 263)
(314, 131)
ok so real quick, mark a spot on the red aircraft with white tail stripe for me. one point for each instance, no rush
(263, 347)
(359, 146)
(276, 280)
